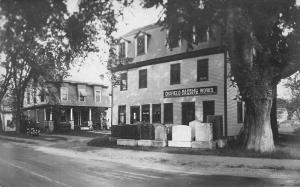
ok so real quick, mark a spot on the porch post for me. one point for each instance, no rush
(51, 124)
(45, 117)
(51, 114)
(71, 119)
(90, 114)
(90, 123)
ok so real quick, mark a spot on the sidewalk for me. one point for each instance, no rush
(75, 147)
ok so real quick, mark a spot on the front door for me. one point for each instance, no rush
(188, 112)
(134, 114)
(208, 109)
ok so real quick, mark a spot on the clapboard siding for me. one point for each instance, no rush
(159, 80)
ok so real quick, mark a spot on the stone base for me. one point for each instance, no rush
(204, 144)
(152, 143)
(159, 143)
(180, 144)
(127, 142)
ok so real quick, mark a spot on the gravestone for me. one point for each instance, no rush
(192, 124)
(161, 133)
(181, 136)
(204, 132)
(181, 133)
(217, 121)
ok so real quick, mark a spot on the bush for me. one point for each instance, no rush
(32, 128)
(125, 131)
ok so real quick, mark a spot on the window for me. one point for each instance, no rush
(28, 97)
(143, 78)
(240, 112)
(82, 95)
(98, 96)
(64, 93)
(122, 114)
(37, 115)
(34, 99)
(175, 74)
(123, 84)
(202, 70)
(122, 50)
(146, 113)
(156, 113)
(140, 40)
(42, 97)
(168, 113)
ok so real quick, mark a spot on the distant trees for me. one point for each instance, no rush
(292, 105)
(262, 39)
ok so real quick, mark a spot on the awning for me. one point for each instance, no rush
(82, 93)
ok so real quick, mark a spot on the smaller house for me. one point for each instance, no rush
(67, 105)
(6, 115)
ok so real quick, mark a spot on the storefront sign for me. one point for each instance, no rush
(212, 90)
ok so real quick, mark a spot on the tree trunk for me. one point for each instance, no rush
(258, 132)
(274, 124)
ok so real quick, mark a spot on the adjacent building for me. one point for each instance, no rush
(159, 84)
(67, 105)
(6, 114)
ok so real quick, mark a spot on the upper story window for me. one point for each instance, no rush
(122, 50)
(98, 96)
(42, 97)
(141, 43)
(202, 70)
(143, 78)
(82, 94)
(28, 97)
(175, 74)
(173, 42)
(64, 93)
(123, 84)
(240, 112)
(207, 35)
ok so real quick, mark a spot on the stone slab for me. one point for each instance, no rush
(192, 124)
(157, 143)
(203, 132)
(179, 143)
(127, 142)
(146, 143)
(181, 133)
(160, 133)
(151, 143)
(204, 144)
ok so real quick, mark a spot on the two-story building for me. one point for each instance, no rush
(174, 85)
(67, 104)
(6, 114)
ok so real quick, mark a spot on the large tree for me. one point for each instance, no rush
(262, 39)
(40, 39)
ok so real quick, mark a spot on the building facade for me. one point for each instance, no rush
(67, 104)
(6, 114)
(174, 85)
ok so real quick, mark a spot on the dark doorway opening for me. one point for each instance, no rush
(188, 112)
(208, 109)
(134, 114)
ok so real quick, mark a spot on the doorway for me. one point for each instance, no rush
(134, 114)
(208, 109)
(188, 112)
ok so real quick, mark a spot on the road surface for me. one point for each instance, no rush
(21, 165)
